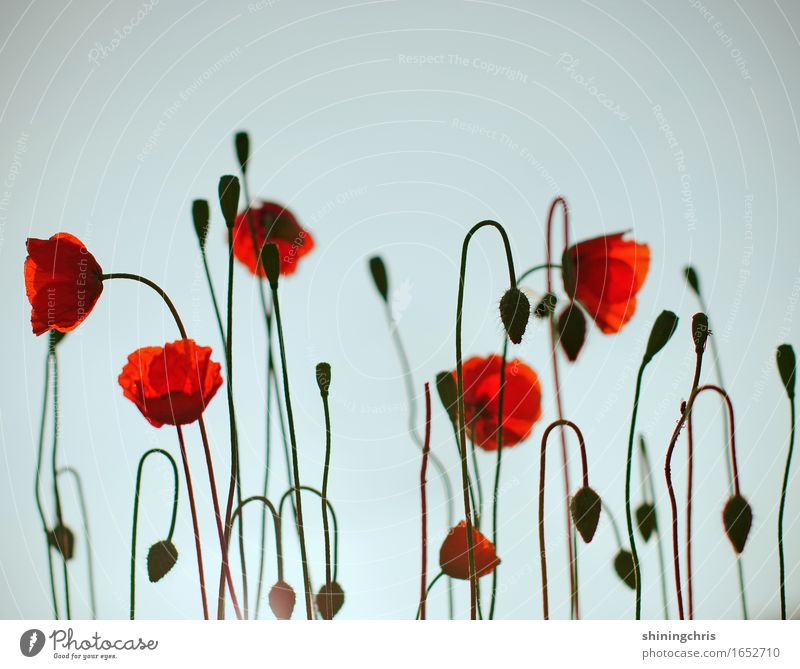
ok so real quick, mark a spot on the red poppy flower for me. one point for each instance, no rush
(271, 223)
(604, 274)
(522, 400)
(172, 384)
(62, 281)
(454, 556)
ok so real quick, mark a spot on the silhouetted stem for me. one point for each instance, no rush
(647, 479)
(782, 508)
(441, 470)
(668, 474)
(473, 580)
(575, 608)
(276, 523)
(38, 482)
(171, 524)
(614, 526)
(585, 468)
(426, 448)
(295, 464)
(428, 592)
(637, 573)
(689, 490)
(324, 496)
(86, 535)
(731, 431)
(56, 489)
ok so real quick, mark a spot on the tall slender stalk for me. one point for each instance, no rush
(542, 460)
(171, 531)
(647, 481)
(787, 367)
(288, 495)
(56, 488)
(426, 449)
(324, 380)
(460, 383)
(276, 523)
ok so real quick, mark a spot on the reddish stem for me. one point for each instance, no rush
(426, 448)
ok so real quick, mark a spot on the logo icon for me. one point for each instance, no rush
(31, 642)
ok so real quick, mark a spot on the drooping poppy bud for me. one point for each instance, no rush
(282, 600)
(546, 306)
(663, 329)
(623, 565)
(447, 388)
(161, 558)
(229, 198)
(329, 600)
(242, 142)
(201, 217)
(700, 331)
(454, 553)
(585, 507)
(62, 540)
(515, 310)
(692, 279)
(737, 517)
(379, 277)
(271, 262)
(571, 326)
(323, 378)
(646, 520)
(787, 366)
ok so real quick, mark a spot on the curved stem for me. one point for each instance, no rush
(56, 489)
(155, 287)
(38, 483)
(782, 508)
(86, 535)
(647, 478)
(333, 519)
(473, 580)
(637, 572)
(585, 468)
(276, 523)
(428, 592)
(668, 474)
(139, 469)
(295, 463)
(424, 504)
(324, 495)
(411, 398)
(575, 607)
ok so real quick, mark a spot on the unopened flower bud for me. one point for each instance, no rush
(379, 276)
(242, 142)
(271, 261)
(229, 198)
(161, 558)
(737, 517)
(282, 600)
(329, 600)
(585, 507)
(62, 539)
(515, 310)
(700, 331)
(787, 366)
(323, 377)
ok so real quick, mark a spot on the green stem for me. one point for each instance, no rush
(637, 573)
(324, 496)
(86, 535)
(647, 478)
(473, 580)
(276, 523)
(782, 509)
(428, 591)
(56, 489)
(426, 449)
(542, 462)
(171, 524)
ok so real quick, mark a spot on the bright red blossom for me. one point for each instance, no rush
(271, 222)
(63, 282)
(454, 553)
(522, 400)
(604, 274)
(172, 384)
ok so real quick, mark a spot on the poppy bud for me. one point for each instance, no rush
(700, 331)
(546, 306)
(329, 600)
(623, 565)
(161, 558)
(447, 388)
(281, 600)
(379, 277)
(737, 517)
(663, 329)
(692, 279)
(271, 262)
(585, 506)
(200, 217)
(323, 378)
(515, 310)
(787, 365)
(571, 331)
(242, 142)
(646, 520)
(62, 539)
(229, 198)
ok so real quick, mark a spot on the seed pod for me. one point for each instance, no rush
(787, 366)
(271, 261)
(646, 520)
(161, 558)
(623, 565)
(62, 539)
(282, 600)
(663, 329)
(229, 198)
(515, 310)
(700, 331)
(692, 279)
(585, 507)
(379, 277)
(242, 142)
(447, 388)
(571, 330)
(200, 218)
(330, 599)
(737, 517)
